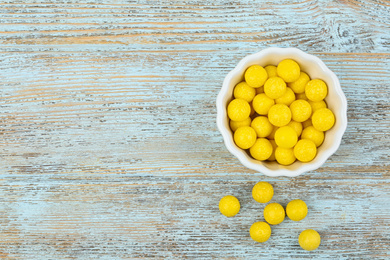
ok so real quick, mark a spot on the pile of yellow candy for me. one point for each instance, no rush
(274, 214)
(279, 113)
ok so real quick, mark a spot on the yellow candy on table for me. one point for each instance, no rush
(288, 70)
(299, 85)
(243, 91)
(306, 123)
(245, 137)
(323, 119)
(262, 126)
(309, 239)
(255, 76)
(287, 98)
(286, 137)
(284, 156)
(262, 103)
(274, 146)
(259, 90)
(315, 105)
(316, 90)
(262, 192)
(300, 110)
(305, 150)
(238, 110)
(279, 115)
(260, 231)
(261, 150)
(274, 213)
(297, 126)
(296, 210)
(313, 134)
(271, 71)
(275, 87)
(301, 96)
(234, 125)
(229, 206)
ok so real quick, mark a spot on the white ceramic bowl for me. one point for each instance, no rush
(316, 69)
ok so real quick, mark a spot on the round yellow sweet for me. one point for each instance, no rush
(262, 192)
(279, 115)
(274, 213)
(287, 98)
(262, 126)
(299, 85)
(288, 70)
(297, 126)
(309, 239)
(260, 232)
(262, 103)
(275, 87)
(305, 150)
(313, 134)
(323, 119)
(316, 90)
(261, 150)
(284, 156)
(315, 105)
(229, 206)
(245, 137)
(301, 96)
(272, 134)
(243, 91)
(286, 137)
(300, 110)
(238, 110)
(255, 76)
(259, 90)
(234, 125)
(296, 210)
(271, 71)
(306, 123)
(272, 157)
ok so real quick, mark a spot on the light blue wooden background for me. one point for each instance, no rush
(109, 147)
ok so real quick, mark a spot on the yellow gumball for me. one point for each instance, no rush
(234, 125)
(300, 110)
(274, 213)
(245, 137)
(255, 76)
(262, 126)
(275, 87)
(316, 90)
(313, 134)
(262, 192)
(284, 156)
(296, 210)
(323, 119)
(271, 71)
(229, 206)
(305, 150)
(297, 126)
(279, 115)
(261, 150)
(299, 85)
(309, 239)
(288, 70)
(238, 110)
(243, 91)
(286, 137)
(260, 232)
(287, 98)
(262, 103)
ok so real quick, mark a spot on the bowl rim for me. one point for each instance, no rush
(241, 154)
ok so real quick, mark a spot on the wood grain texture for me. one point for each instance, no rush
(109, 147)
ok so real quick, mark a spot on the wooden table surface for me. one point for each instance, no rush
(109, 146)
